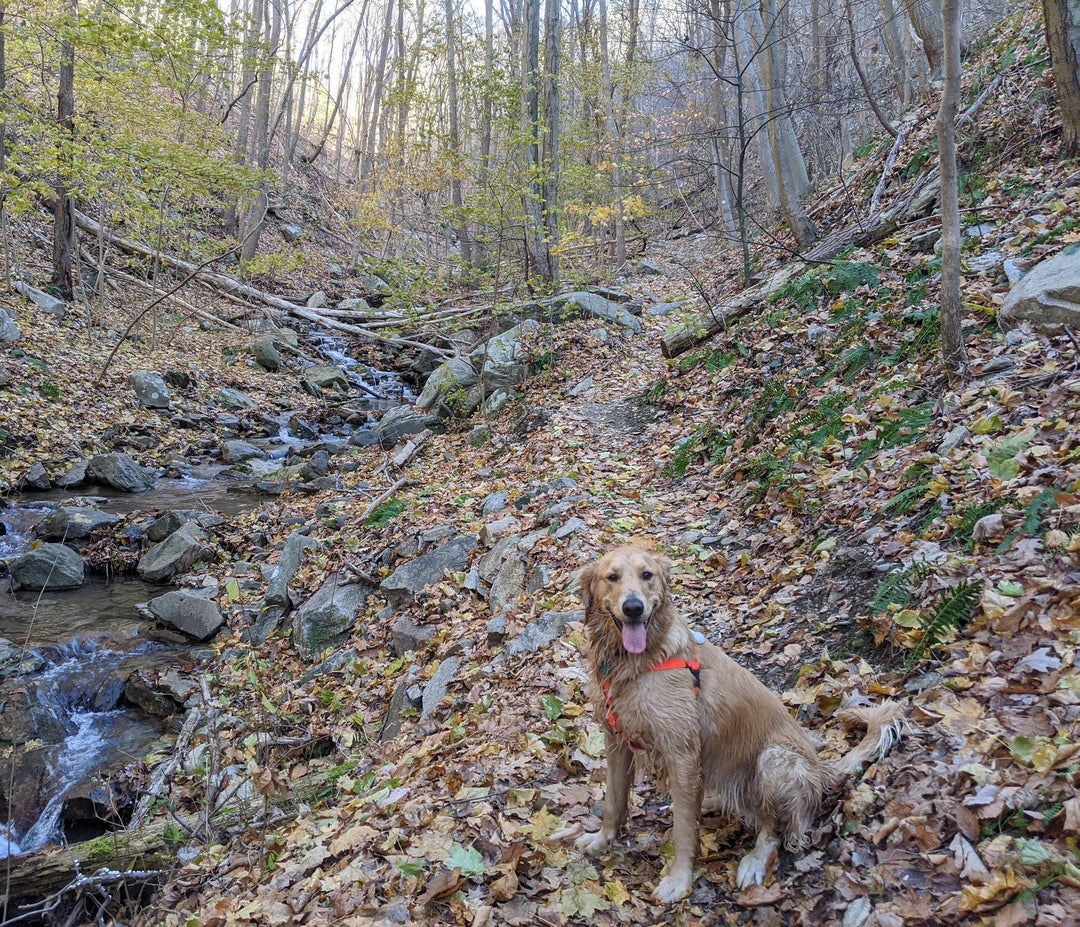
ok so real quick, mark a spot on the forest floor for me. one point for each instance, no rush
(842, 520)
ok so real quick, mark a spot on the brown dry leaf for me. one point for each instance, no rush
(756, 896)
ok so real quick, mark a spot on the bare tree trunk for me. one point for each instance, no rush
(614, 132)
(63, 214)
(248, 76)
(552, 56)
(538, 251)
(457, 200)
(332, 117)
(952, 335)
(1063, 40)
(371, 136)
(926, 19)
(867, 89)
(894, 46)
(480, 250)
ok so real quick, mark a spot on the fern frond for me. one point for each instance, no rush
(951, 613)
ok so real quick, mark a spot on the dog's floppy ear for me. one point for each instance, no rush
(585, 581)
(664, 570)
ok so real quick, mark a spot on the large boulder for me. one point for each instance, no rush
(194, 616)
(324, 378)
(178, 553)
(501, 357)
(150, 388)
(402, 421)
(325, 619)
(49, 566)
(448, 388)
(9, 330)
(119, 471)
(235, 400)
(75, 522)
(44, 301)
(237, 451)
(277, 589)
(408, 581)
(74, 476)
(1048, 295)
(266, 354)
(602, 308)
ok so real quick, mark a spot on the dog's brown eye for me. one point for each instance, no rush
(613, 577)
(647, 575)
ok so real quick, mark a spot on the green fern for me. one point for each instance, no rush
(952, 612)
(898, 588)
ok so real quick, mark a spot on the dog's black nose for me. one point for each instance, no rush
(633, 608)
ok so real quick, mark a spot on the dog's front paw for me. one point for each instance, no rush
(751, 871)
(594, 844)
(673, 887)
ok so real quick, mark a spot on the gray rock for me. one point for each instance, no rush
(501, 356)
(494, 530)
(291, 232)
(178, 553)
(816, 334)
(193, 615)
(509, 584)
(980, 230)
(998, 366)
(44, 301)
(9, 329)
(496, 402)
(6, 376)
(75, 522)
(435, 690)
(292, 554)
(402, 421)
(925, 242)
(478, 436)
(648, 267)
(356, 304)
(571, 526)
(237, 451)
(234, 399)
(582, 386)
(447, 388)
(317, 300)
(1048, 296)
(373, 285)
(75, 475)
(592, 304)
(406, 635)
(402, 699)
(540, 633)
(488, 566)
(161, 527)
(989, 262)
(119, 471)
(332, 664)
(496, 631)
(665, 309)
(266, 353)
(495, 503)
(36, 478)
(323, 378)
(326, 619)
(16, 660)
(49, 566)
(407, 582)
(1014, 269)
(150, 388)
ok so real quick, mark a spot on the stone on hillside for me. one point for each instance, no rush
(237, 451)
(402, 421)
(44, 301)
(501, 355)
(323, 378)
(164, 525)
(6, 376)
(36, 478)
(277, 590)
(407, 582)
(373, 285)
(193, 615)
(495, 502)
(990, 262)
(488, 566)
(49, 566)
(435, 690)
(150, 388)
(317, 300)
(1048, 295)
(540, 633)
(500, 528)
(119, 471)
(509, 584)
(648, 267)
(290, 231)
(75, 522)
(447, 387)
(664, 309)
(75, 475)
(325, 619)
(478, 436)
(266, 353)
(178, 553)
(317, 465)
(234, 399)
(406, 635)
(497, 401)
(356, 304)
(601, 308)
(9, 329)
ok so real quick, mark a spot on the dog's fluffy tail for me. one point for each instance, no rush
(884, 725)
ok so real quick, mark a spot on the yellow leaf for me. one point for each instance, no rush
(616, 892)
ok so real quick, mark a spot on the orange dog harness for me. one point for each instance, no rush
(670, 664)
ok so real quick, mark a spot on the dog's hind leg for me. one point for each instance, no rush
(756, 863)
(620, 759)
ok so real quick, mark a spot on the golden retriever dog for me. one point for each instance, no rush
(716, 734)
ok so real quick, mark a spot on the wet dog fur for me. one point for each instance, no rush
(733, 746)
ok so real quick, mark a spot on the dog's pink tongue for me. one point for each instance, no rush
(633, 637)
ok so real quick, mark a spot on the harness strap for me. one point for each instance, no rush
(670, 664)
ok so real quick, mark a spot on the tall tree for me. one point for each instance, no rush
(952, 335)
(63, 210)
(1063, 39)
(457, 201)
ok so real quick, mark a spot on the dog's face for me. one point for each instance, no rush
(622, 593)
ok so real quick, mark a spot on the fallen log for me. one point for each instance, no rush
(916, 203)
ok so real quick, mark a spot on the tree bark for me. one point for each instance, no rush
(457, 199)
(63, 218)
(925, 18)
(952, 335)
(1063, 39)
